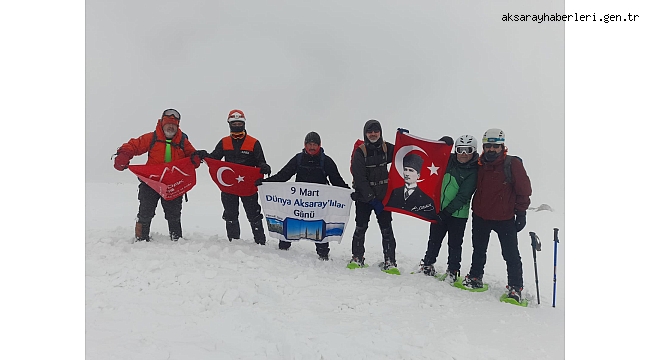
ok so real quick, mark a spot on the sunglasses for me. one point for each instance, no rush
(488, 145)
(172, 112)
(373, 132)
(464, 150)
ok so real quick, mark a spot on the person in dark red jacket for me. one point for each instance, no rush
(499, 204)
(240, 148)
(166, 144)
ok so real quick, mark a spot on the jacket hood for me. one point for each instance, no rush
(368, 124)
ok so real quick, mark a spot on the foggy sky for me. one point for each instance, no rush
(434, 67)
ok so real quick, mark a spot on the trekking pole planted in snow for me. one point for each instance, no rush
(556, 241)
(537, 246)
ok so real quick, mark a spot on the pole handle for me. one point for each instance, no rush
(534, 241)
(555, 232)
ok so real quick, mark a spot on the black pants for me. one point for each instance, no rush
(321, 249)
(454, 228)
(149, 201)
(362, 218)
(253, 213)
(507, 233)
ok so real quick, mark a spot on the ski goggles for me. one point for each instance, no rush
(172, 112)
(488, 145)
(464, 150)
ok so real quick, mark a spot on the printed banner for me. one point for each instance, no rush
(170, 180)
(415, 178)
(303, 211)
(233, 178)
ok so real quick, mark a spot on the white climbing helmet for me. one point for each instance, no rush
(494, 136)
(466, 140)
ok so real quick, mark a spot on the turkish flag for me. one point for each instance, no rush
(233, 178)
(415, 178)
(170, 180)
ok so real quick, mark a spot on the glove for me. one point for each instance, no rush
(201, 153)
(195, 159)
(377, 205)
(265, 169)
(448, 140)
(402, 131)
(121, 161)
(354, 196)
(444, 216)
(258, 182)
(520, 220)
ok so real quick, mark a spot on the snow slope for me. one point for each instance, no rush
(206, 298)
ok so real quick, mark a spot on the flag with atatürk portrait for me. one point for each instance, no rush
(415, 177)
(234, 178)
(170, 180)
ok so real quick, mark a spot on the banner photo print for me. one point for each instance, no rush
(415, 178)
(304, 211)
(233, 178)
(170, 180)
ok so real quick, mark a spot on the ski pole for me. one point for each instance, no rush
(556, 240)
(537, 246)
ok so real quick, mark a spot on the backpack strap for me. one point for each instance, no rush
(321, 162)
(181, 144)
(507, 167)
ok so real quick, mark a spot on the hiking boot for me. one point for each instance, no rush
(389, 264)
(514, 292)
(428, 270)
(356, 262)
(473, 282)
(260, 242)
(452, 276)
(324, 257)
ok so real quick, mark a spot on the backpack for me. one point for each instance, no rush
(321, 165)
(360, 144)
(507, 164)
(181, 144)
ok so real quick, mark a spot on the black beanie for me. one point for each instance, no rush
(312, 137)
(413, 161)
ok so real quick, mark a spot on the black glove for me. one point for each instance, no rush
(402, 131)
(258, 182)
(377, 205)
(444, 216)
(201, 153)
(354, 196)
(520, 220)
(265, 169)
(447, 140)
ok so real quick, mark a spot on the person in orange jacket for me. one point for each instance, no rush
(165, 144)
(240, 148)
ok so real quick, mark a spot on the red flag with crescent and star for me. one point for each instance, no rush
(234, 178)
(170, 180)
(415, 177)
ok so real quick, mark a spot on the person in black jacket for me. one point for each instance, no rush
(240, 148)
(310, 166)
(370, 182)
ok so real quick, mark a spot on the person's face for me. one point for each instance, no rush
(497, 148)
(312, 148)
(410, 175)
(170, 130)
(373, 135)
(464, 153)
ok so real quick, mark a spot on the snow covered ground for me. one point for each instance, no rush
(206, 298)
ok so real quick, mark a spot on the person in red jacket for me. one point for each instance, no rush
(165, 144)
(502, 196)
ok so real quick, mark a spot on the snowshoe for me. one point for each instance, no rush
(356, 263)
(513, 296)
(472, 284)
